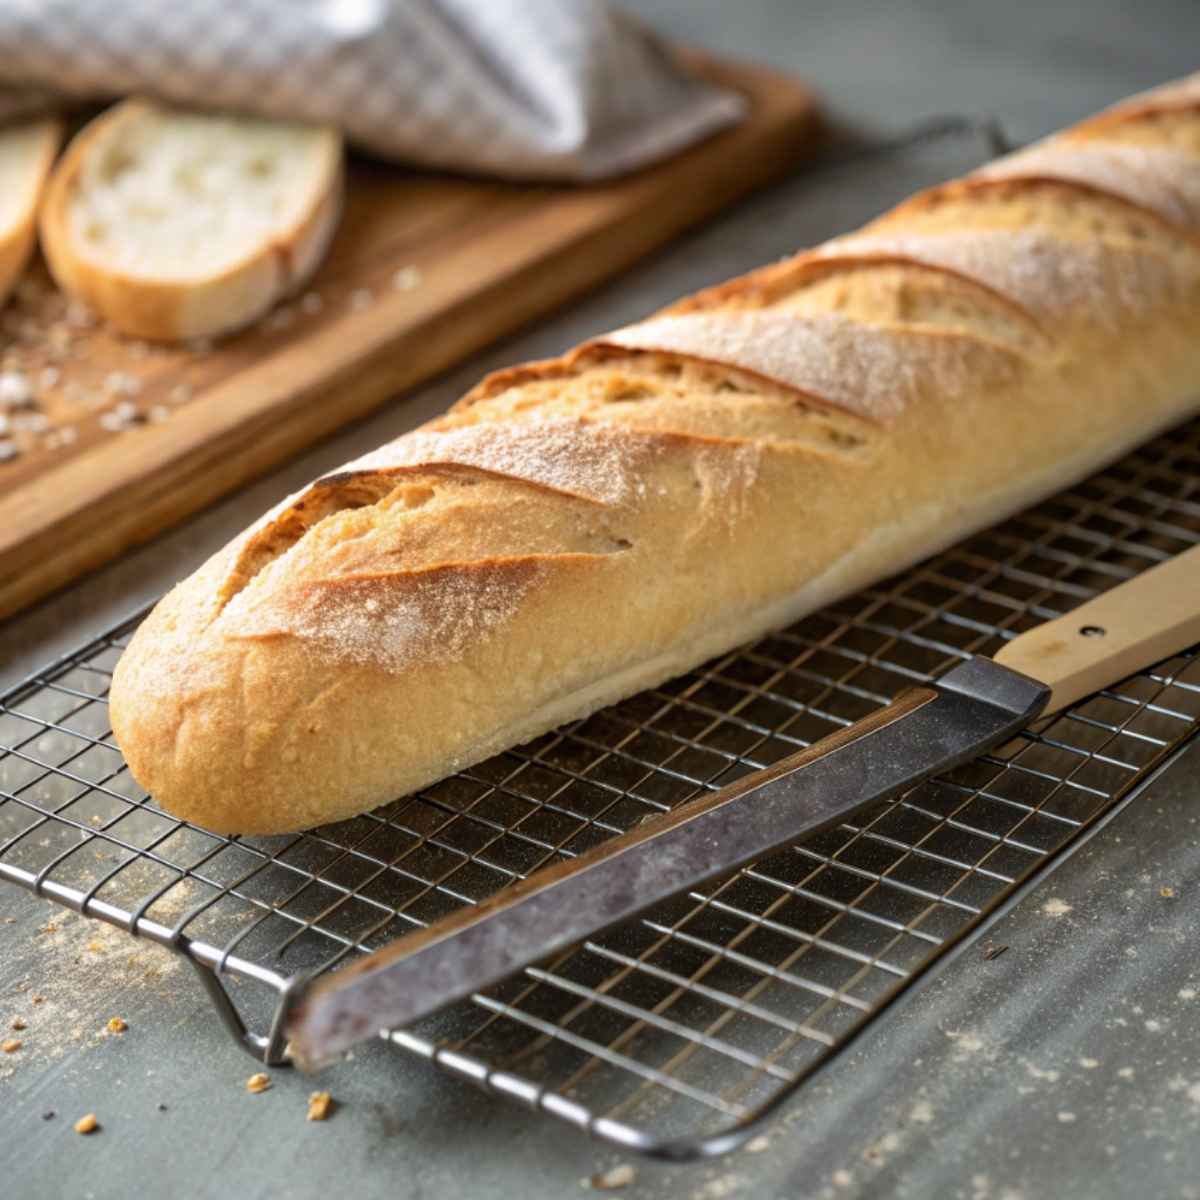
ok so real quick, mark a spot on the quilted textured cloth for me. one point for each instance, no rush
(523, 89)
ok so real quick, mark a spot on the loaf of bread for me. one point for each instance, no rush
(175, 224)
(575, 530)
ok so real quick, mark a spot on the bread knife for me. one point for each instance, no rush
(977, 705)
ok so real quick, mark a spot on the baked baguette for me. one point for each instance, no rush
(578, 529)
(27, 153)
(176, 224)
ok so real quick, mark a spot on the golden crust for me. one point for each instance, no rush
(16, 242)
(577, 529)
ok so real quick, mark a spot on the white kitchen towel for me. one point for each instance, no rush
(523, 89)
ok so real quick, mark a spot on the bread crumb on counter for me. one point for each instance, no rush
(319, 1106)
(258, 1082)
(619, 1176)
(19, 1023)
(87, 1124)
(116, 1025)
(11, 1045)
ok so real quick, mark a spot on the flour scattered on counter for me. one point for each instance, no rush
(78, 958)
(966, 1043)
(1054, 907)
(876, 1153)
(1047, 1075)
(718, 1188)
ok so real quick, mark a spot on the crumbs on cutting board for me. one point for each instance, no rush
(67, 382)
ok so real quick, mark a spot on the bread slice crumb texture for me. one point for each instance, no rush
(175, 195)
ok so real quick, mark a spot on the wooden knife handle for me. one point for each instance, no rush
(1128, 628)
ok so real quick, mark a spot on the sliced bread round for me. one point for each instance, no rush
(27, 153)
(178, 224)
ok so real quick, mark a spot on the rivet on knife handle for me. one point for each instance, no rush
(1126, 629)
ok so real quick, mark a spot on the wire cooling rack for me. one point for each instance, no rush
(673, 1033)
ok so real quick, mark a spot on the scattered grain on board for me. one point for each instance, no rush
(122, 383)
(15, 389)
(758, 1144)
(406, 278)
(87, 1124)
(1054, 907)
(319, 1106)
(11, 1045)
(116, 1025)
(258, 1082)
(19, 1023)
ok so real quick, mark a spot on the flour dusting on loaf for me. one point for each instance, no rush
(874, 373)
(1047, 275)
(603, 465)
(390, 621)
(1163, 180)
(579, 529)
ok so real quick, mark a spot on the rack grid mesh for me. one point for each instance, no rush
(672, 1033)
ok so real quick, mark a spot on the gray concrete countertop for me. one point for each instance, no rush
(1068, 1067)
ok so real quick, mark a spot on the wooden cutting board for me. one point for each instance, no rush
(124, 439)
